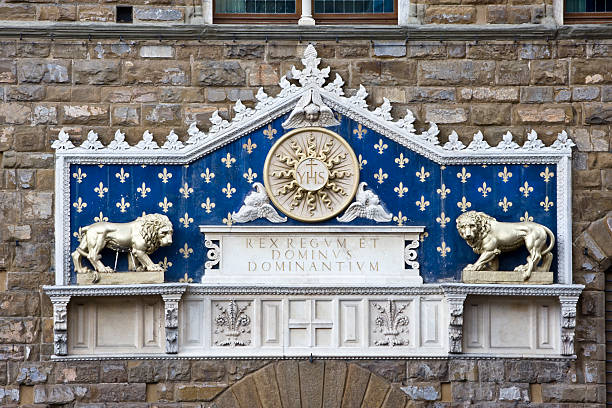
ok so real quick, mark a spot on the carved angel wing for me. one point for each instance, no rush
(379, 214)
(353, 211)
(269, 213)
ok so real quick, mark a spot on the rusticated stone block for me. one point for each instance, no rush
(357, 380)
(492, 51)
(563, 392)
(422, 94)
(491, 370)
(422, 391)
(8, 71)
(17, 12)
(462, 370)
(395, 398)
(519, 14)
(353, 51)
(25, 93)
(393, 371)
(264, 74)
(472, 391)
(431, 370)
(497, 14)
(450, 15)
(162, 114)
(591, 72)
(536, 94)
(96, 13)
(84, 114)
(113, 371)
(512, 73)
(79, 372)
(245, 51)
(29, 139)
(267, 387)
(158, 14)
(543, 114)
(288, 378)
(155, 73)
(585, 93)
(524, 371)
(133, 392)
(57, 12)
(587, 178)
(597, 113)
(125, 116)
(384, 72)
(311, 383)
(19, 331)
(198, 392)
(549, 72)
(35, 257)
(441, 114)
(532, 51)
(44, 115)
(9, 395)
(246, 393)
(207, 371)
(218, 73)
(146, 371)
(389, 48)
(50, 71)
(498, 114)
(96, 72)
(455, 72)
(19, 304)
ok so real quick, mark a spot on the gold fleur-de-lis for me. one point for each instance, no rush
(269, 132)
(423, 235)
(484, 189)
(122, 175)
(186, 251)
(165, 264)
(380, 176)
(101, 190)
(547, 175)
(100, 218)
(186, 190)
(360, 131)
(228, 220)
(504, 175)
(164, 175)
(526, 217)
(505, 204)
(186, 220)
(143, 190)
(546, 204)
(164, 205)
(422, 203)
(464, 204)
(249, 146)
(207, 175)
(443, 249)
(185, 279)
(400, 189)
(228, 160)
(401, 161)
(122, 205)
(422, 174)
(400, 219)
(79, 205)
(228, 190)
(362, 162)
(464, 175)
(79, 175)
(380, 146)
(526, 189)
(443, 191)
(442, 219)
(208, 205)
(250, 176)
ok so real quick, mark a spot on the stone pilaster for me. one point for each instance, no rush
(60, 324)
(568, 323)
(455, 321)
(171, 318)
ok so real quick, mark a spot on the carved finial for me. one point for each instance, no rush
(92, 142)
(478, 142)
(172, 142)
(507, 143)
(63, 141)
(119, 143)
(563, 142)
(453, 142)
(532, 142)
(147, 142)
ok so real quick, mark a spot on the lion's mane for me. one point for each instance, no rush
(150, 225)
(483, 223)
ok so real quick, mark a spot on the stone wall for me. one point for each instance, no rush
(162, 85)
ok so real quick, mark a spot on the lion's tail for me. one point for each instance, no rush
(552, 241)
(81, 233)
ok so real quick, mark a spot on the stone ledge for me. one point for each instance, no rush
(430, 32)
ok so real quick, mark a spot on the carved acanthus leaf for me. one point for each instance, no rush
(563, 142)
(195, 135)
(63, 141)
(118, 143)
(92, 142)
(147, 142)
(453, 142)
(507, 142)
(532, 142)
(172, 142)
(478, 142)
(384, 110)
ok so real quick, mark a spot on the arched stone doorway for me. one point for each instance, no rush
(305, 384)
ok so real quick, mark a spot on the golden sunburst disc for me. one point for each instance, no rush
(311, 174)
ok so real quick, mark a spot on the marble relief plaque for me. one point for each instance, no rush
(315, 255)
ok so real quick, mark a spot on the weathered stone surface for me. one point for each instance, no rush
(207, 371)
(512, 73)
(311, 383)
(84, 372)
(227, 400)
(598, 113)
(32, 373)
(264, 74)
(161, 114)
(497, 114)
(133, 392)
(333, 387)
(146, 371)
(96, 72)
(267, 387)
(66, 12)
(463, 370)
(19, 304)
(28, 139)
(536, 94)
(425, 392)
(19, 331)
(17, 12)
(8, 71)
(14, 113)
(353, 51)
(156, 51)
(375, 392)
(125, 116)
(25, 93)
(549, 72)
(246, 393)
(288, 378)
(155, 73)
(563, 392)
(422, 94)
(472, 392)
(50, 71)
(384, 72)
(113, 371)
(357, 380)
(390, 48)
(96, 13)
(9, 395)
(84, 114)
(438, 114)
(395, 398)
(455, 72)
(158, 14)
(216, 73)
(543, 114)
(450, 15)
(245, 51)
(585, 93)
(197, 392)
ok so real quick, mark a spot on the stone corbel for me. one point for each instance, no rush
(455, 321)
(171, 303)
(568, 324)
(60, 324)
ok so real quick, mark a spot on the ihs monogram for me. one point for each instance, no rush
(311, 174)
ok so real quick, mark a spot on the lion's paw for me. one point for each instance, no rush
(108, 269)
(521, 268)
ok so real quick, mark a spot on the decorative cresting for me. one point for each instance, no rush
(138, 238)
(489, 238)
(311, 174)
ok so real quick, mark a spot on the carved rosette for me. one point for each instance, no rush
(171, 321)
(232, 323)
(391, 323)
(568, 323)
(311, 174)
(60, 324)
(455, 322)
